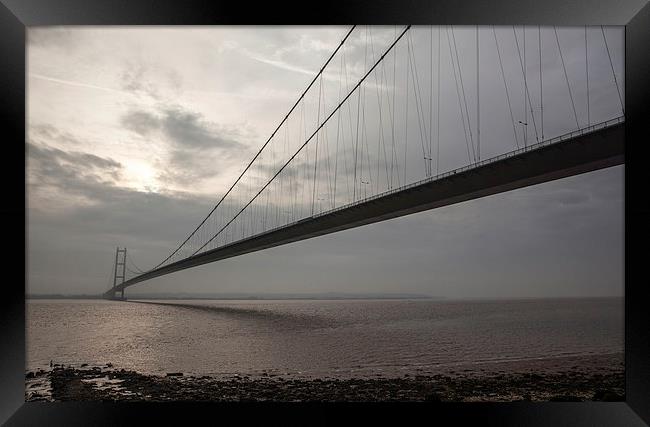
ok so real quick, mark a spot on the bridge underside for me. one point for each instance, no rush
(585, 153)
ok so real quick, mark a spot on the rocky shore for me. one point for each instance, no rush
(67, 383)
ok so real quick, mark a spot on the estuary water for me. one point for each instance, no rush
(319, 338)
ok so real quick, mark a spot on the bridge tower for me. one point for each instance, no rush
(117, 276)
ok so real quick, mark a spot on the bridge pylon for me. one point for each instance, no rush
(118, 275)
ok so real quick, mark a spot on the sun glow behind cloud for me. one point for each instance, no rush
(190, 83)
(141, 176)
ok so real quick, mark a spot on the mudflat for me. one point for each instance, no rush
(597, 378)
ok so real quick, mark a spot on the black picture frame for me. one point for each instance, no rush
(16, 15)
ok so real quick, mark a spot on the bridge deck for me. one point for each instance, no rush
(573, 154)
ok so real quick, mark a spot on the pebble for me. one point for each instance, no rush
(133, 386)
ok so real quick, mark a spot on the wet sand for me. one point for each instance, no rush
(583, 378)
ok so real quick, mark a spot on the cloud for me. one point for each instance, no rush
(187, 168)
(123, 212)
(182, 128)
(149, 79)
(75, 222)
(57, 163)
(140, 122)
(58, 180)
(133, 80)
(189, 130)
(48, 135)
(198, 148)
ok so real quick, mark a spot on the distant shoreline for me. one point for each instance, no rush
(247, 297)
(283, 297)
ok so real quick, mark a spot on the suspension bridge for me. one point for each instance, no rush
(400, 120)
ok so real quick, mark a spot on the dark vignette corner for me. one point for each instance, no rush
(12, 212)
(637, 214)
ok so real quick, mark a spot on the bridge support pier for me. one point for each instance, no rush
(113, 295)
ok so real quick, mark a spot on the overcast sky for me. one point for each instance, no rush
(135, 132)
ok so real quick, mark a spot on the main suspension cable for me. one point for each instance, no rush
(309, 139)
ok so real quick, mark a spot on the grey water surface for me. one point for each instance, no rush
(343, 338)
